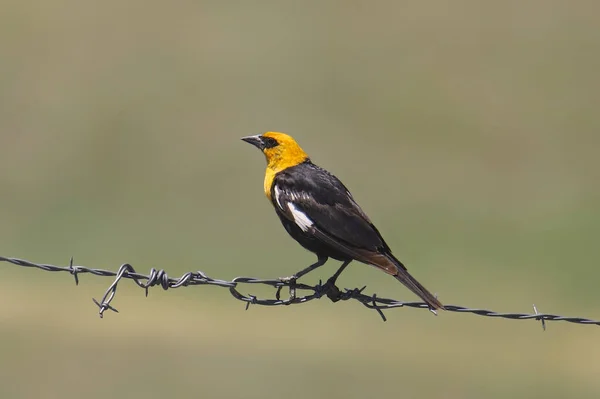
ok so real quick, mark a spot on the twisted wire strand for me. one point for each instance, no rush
(160, 278)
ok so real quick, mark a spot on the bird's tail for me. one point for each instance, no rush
(412, 284)
(389, 264)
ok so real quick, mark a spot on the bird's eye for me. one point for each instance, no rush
(269, 142)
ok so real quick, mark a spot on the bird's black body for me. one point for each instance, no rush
(340, 226)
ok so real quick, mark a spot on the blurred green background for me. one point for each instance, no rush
(467, 130)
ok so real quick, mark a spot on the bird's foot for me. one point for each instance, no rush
(290, 282)
(332, 291)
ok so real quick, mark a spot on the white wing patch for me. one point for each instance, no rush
(300, 218)
(277, 194)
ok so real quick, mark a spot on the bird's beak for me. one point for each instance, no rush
(255, 141)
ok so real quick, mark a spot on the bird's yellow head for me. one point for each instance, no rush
(281, 152)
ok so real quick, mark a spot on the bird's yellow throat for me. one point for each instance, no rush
(285, 155)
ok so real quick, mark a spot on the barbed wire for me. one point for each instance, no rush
(160, 278)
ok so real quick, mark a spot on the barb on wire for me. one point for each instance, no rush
(160, 277)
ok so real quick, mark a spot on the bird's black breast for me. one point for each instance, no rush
(338, 226)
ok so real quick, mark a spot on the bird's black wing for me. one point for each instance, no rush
(320, 204)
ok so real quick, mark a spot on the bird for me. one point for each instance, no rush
(320, 213)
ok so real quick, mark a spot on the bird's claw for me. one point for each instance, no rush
(332, 291)
(290, 282)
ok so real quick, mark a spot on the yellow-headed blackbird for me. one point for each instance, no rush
(318, 211)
